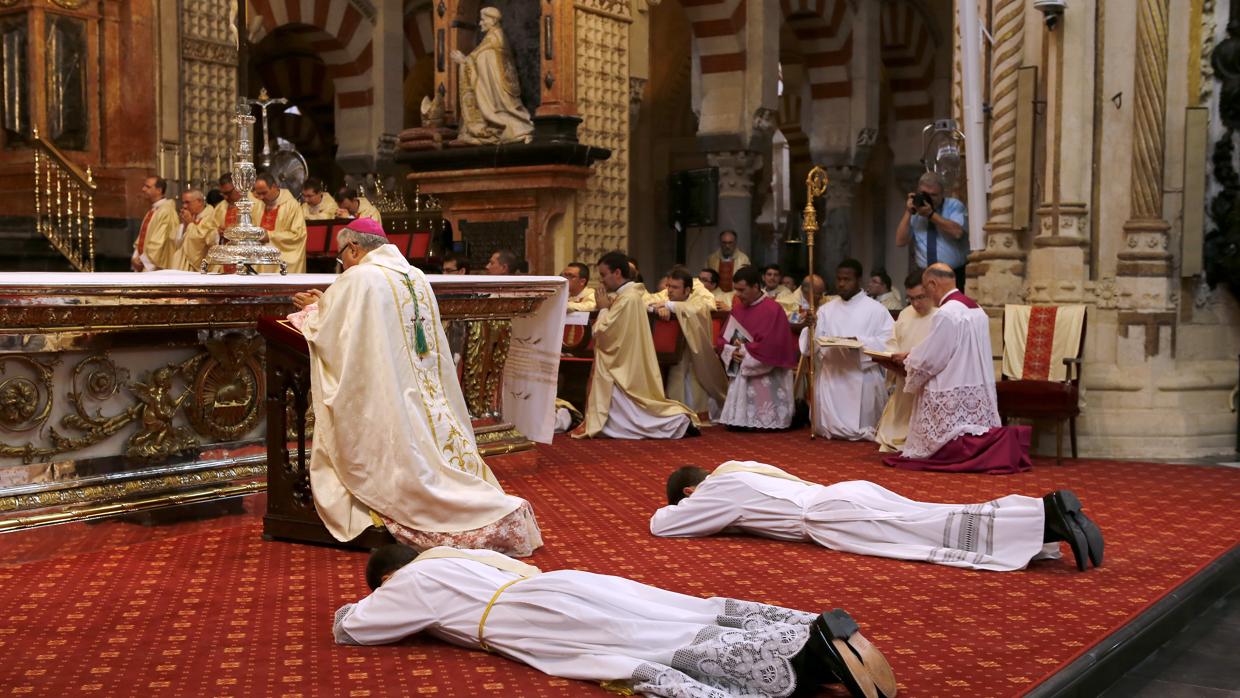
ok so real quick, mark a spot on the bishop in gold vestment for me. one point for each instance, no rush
(392, 435)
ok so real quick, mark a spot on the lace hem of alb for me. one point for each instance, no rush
(517, 534)
(748, 653)
(943, 415)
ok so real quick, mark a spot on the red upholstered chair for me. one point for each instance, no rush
(316, 238)
(1042, 372)
(420, 247)
(401, 240)
(669, 342)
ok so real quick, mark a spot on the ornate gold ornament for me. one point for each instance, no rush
(67, 4)
(25, 400)
(159, 437)
(229, 387)
(117, 490)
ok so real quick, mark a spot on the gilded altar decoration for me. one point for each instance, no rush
(490, 94)
(159, 437)
(25, 398)
(228, 388)
(246, 248)
(486, 352)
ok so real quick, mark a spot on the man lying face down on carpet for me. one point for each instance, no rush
(864, 518)
(578, 625)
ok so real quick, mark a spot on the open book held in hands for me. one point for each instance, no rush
(734, 335)
(878, 354)
(840, 342)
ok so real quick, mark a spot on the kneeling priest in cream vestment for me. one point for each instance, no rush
(392, 437)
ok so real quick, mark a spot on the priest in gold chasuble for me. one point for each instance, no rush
(626, 391)
(282, 218)
(393, 440)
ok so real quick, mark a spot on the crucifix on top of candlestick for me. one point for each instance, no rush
(262, 103)
(815, 187)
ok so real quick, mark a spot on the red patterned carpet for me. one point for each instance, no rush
(209, 609)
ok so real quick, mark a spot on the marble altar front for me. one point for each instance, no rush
(124, 391)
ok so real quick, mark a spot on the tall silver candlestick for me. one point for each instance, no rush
(245, 247)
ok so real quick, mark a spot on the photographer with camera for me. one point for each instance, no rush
(937, 224)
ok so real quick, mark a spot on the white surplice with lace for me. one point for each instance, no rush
(953, 375)
(579, 625)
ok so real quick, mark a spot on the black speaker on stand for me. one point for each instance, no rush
(693, 202)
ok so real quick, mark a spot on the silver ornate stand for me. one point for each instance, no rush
(245, 247)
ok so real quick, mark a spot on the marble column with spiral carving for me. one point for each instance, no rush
(1145, 262)
(997, 272)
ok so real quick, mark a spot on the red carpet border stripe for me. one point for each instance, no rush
(207, 608)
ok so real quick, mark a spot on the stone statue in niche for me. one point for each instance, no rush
(490, 94)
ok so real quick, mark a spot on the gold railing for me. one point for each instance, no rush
(64, 205)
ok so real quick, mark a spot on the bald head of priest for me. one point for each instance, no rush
(939, 280)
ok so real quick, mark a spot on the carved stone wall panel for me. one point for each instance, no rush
(209, 83)
(603, 100)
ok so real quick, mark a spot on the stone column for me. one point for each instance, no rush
(1059, 263)
(1145, 263)
(736, 183)
(834, 241)
(996, 273)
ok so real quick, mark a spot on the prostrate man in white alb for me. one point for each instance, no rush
(864, 518)
(392, 436)
(955, 425)
(698, 379)
(635, 638)
(849, 392)
(911, 329)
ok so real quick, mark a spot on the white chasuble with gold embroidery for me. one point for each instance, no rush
(392, 434)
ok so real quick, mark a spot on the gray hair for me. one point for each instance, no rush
(932, 179)
(195, 194)
(366, 241)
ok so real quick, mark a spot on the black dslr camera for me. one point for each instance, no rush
(921, 198)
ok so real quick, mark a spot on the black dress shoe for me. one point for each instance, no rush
(1066, 521)
(1093, 534)
(692, 431)
(844, 656)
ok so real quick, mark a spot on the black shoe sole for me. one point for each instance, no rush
(851, 658)
(1060, 521)
(1093, 534)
